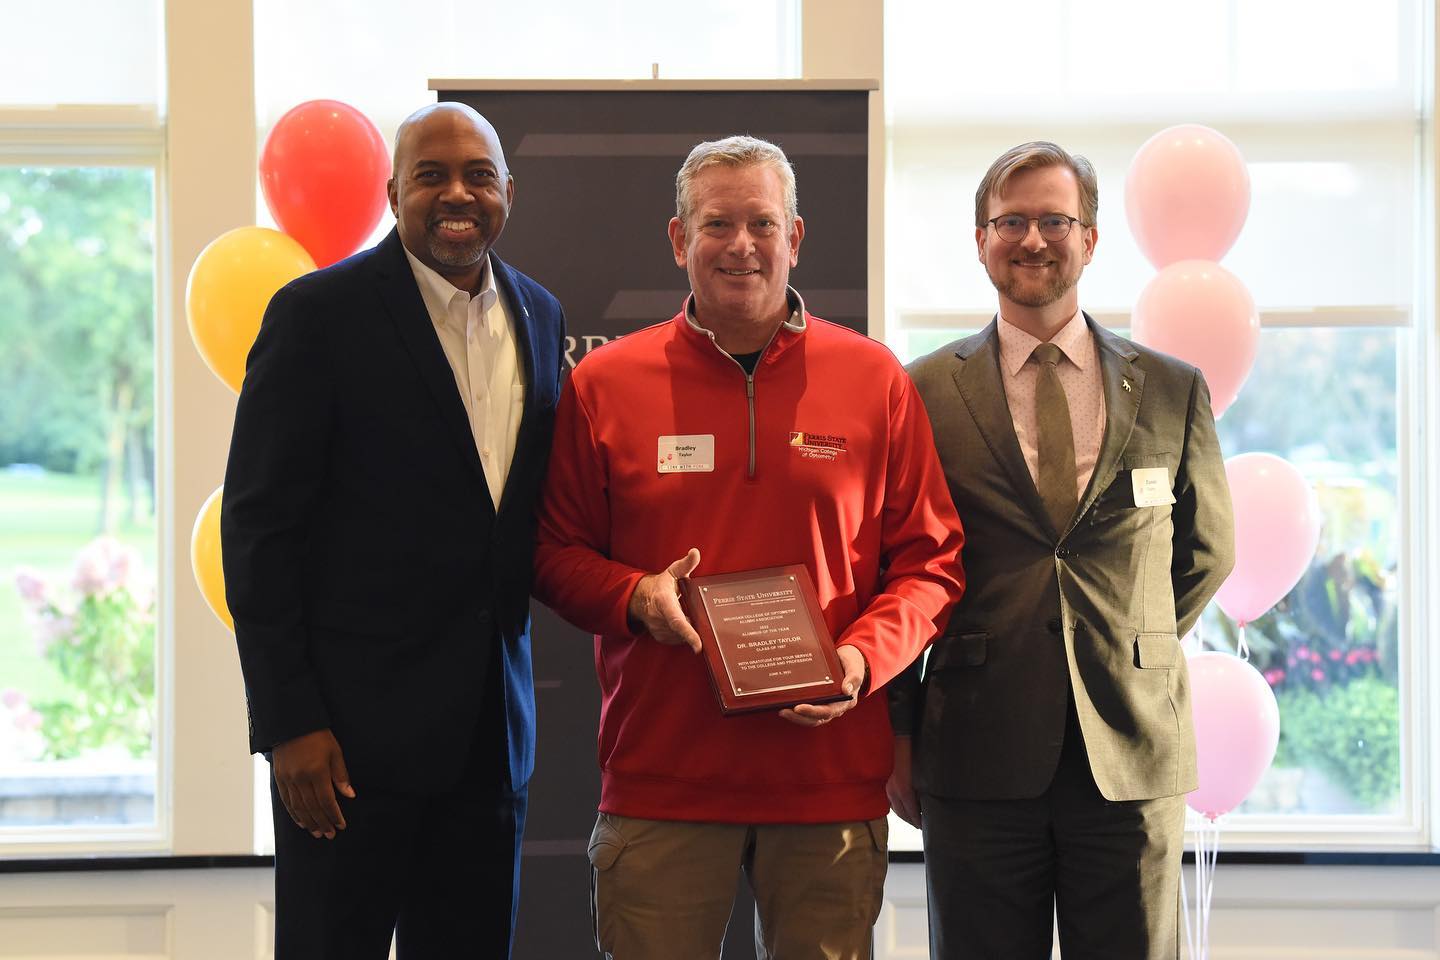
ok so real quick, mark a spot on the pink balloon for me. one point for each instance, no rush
(1186, 195)
(1277, 528)
(1237, 727)
(1200, 312)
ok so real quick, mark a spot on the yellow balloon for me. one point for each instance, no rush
(205, 557)
(230, 285)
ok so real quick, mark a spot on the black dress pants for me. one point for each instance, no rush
(439, 872)
(998, 871)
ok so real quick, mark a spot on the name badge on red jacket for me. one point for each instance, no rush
(693, 453)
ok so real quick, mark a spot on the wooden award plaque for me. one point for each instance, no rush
(764, 639)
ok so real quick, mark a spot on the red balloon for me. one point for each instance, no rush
(323, 171)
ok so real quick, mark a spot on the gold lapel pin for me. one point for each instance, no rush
(1125, 383)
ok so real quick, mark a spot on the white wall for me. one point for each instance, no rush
(1262, 913)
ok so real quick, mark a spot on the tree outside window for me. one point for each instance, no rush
(77, 495)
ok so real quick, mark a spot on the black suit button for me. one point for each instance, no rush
(1064, 553)
(1053, 624)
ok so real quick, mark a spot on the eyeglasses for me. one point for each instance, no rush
(1012, 228)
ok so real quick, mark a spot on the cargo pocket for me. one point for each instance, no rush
(606, 843)
(879, 830)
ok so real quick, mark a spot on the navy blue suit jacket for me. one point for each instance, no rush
(369, 574)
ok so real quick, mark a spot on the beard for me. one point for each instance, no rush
(461, 254)
(1027, 292)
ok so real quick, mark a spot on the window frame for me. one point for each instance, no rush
(200, 141)
(1418, 437)
(129, 136)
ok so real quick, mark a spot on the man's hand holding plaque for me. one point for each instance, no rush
(815, 714)
(771, 649)
(655, 603)
(767, 645)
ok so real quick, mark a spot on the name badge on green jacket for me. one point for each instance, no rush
(1151, 486)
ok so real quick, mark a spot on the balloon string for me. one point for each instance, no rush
(1212, 855)
(1207, 852)
(1203, 860)
(1202, 916)
(1214, 868)
(1241, 647)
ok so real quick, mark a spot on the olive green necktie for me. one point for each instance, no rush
(1055, 441)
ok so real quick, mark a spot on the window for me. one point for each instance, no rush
(1326, 107)
(1326, 399)
(80, 147)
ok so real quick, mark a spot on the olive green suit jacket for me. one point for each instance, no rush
(1094, 609)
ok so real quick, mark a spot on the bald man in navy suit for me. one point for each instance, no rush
(378, 529)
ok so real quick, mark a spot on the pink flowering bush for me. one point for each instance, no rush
(101, 637)
(20, 737)
(1330, 652)
(1339, 624)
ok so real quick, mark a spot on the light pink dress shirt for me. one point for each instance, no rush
(1079, 373)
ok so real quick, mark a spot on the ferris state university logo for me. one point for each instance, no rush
(817, 446)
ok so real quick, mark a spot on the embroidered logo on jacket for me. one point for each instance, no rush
(817, 446)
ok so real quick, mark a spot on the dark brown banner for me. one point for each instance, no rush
(594, 190)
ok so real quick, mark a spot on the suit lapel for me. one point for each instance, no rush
(401, 299)
(519, 305)
(1123, 383)
(983, 390)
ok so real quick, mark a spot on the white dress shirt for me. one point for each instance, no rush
(1079, 373)
(478, 336)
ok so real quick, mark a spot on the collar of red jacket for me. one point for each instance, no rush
(788, 333)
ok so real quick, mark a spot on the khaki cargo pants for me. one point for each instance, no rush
(663, 890)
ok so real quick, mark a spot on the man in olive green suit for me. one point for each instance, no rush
(1051, 735)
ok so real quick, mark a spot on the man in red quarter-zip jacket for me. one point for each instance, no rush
(743, 433)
